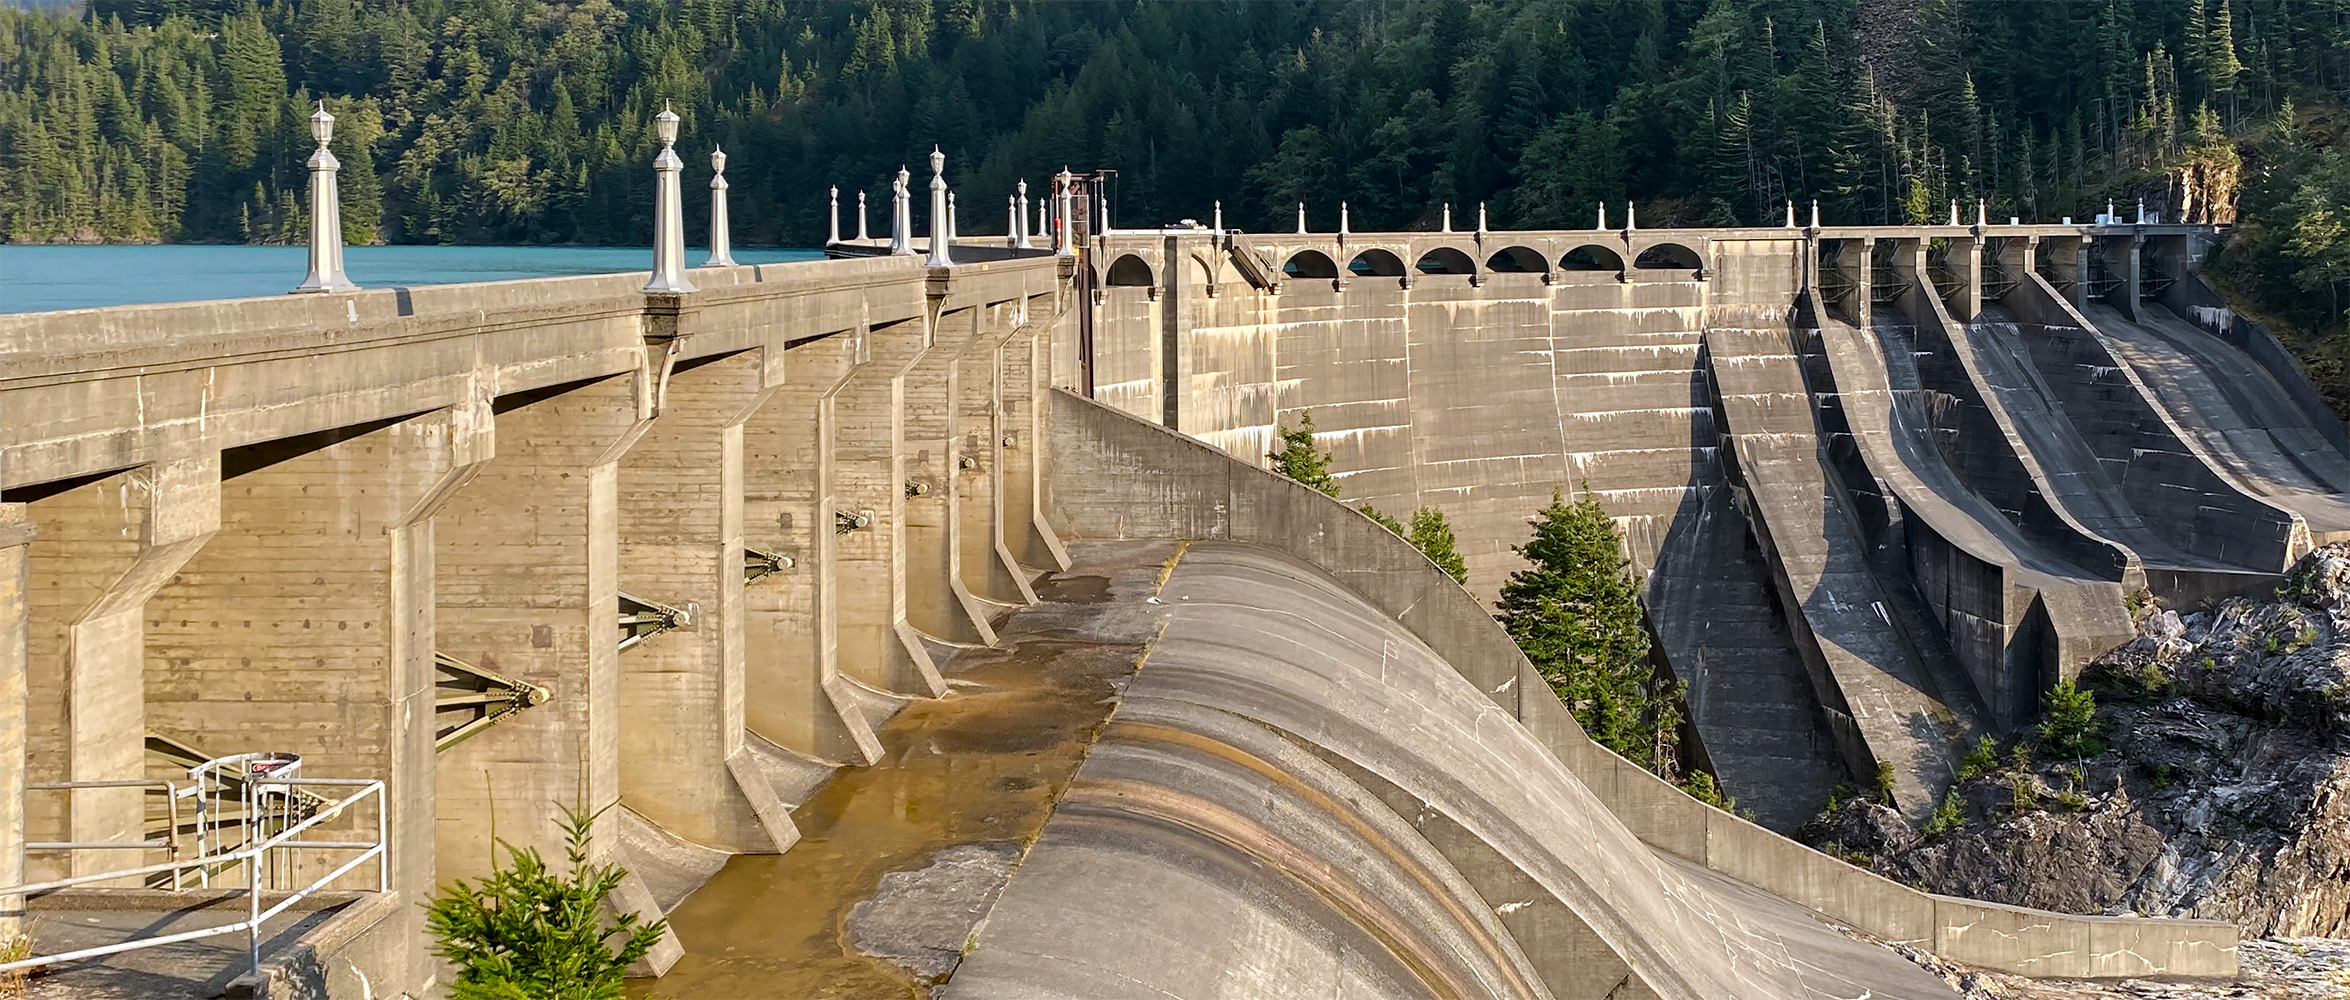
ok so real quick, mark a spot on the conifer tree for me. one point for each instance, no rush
(1432, 535)
(1298, 459)
(1575, 611)
(1382, 518)
(529, 933)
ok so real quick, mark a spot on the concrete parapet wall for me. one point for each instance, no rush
(1118, 477)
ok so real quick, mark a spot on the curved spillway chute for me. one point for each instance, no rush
(1298, 798)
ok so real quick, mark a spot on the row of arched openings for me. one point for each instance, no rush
(1377, 263)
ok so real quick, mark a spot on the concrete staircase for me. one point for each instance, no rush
(1871, 684)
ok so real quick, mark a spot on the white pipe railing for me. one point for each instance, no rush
(255, 855)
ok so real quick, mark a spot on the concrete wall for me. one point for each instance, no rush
(1118, 477)
(264, 517)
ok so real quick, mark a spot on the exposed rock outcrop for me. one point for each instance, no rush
(2223, 790)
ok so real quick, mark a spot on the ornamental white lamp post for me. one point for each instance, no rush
(1815, 213)
(326, 213)
(861, 237)
(1012, 221)
(668, 210)
(1602, 216)
(1301, 218)
(1481, 220)
(1447, 218)
(721, 240)
(901, 214)
(939, 257)
(1630, 218)
(832, 230)
(1064, 239)
(1020, 217)
(952, 229)
(1219, 217)
(1343, 226)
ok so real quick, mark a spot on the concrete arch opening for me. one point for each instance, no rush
(1310, 264)
(1130, 270)
(1446, 260)
(1669, 257)
(1376, 263)
(1516, 260)
(1591, 257)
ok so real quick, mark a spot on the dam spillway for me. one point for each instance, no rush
(680, 558)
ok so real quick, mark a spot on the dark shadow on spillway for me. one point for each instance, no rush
(930, 832)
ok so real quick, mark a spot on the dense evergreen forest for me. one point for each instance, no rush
(529, 121)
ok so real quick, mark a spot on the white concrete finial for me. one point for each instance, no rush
(951, 219)
(1480, 218)
(1790, 213)
(721, 239)
(861, 237)
(832, 231)
(1020, 216)
(326, 213)
(1954, 211)
(2109, 215)
(1219, 216)
(1012, 221)
(1982, 211)
(941, 224)
(1602, 217)
(1447, 217)
(1044, 224)
(901, 213)
(668, 210)
(1815, 213)
(1301, 218)
(1629, 224)
(2141, 211)
(1343, 226)
(1064, 191)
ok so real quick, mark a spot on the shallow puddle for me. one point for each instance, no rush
(983, 765)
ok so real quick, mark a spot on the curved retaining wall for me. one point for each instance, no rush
(1114, 476)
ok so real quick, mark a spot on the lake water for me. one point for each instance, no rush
(40, 278)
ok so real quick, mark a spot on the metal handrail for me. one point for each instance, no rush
(171, 799)
(254, 854)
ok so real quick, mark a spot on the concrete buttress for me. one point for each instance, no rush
(681, 544)
(985, 564)
(795, 695)
(305, 624)
(16, 537)
(111, 544)
(878, 644)
(938, 602)
(529, 588)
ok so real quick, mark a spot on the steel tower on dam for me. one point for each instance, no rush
(823, 570)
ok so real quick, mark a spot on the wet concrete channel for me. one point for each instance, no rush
(898, 861)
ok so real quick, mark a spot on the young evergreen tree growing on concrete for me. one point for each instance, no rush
(528, 933)
(1381, 516)
(1298, 459)
(1576, 613)
(1432, 535)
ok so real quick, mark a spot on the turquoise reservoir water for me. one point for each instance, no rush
(41, 278)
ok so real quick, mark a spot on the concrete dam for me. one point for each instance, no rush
(926, 622)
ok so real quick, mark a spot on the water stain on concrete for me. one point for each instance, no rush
(983, 766)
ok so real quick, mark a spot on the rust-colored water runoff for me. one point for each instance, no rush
(983, 765)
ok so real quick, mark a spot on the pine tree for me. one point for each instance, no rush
(529, 933)
(1575, 611)
(1298, 459)
(1383, 520)
(1432, 535)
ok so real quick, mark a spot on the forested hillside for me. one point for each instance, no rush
(529, 121)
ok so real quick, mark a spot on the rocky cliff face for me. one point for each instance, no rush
(2223, 790)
